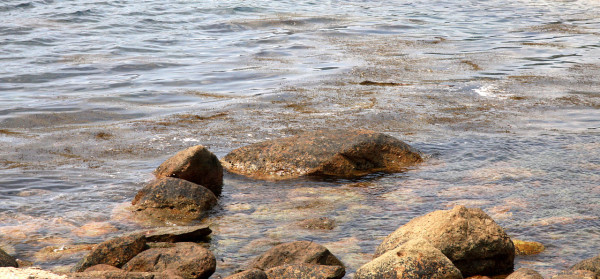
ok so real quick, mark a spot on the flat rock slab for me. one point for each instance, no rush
(177, 234)
(185, 259)
(306, 271)
(195, 164)
(339, 153)
(115, 252)
(296, 252)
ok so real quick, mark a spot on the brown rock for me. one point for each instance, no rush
(102, 267)
(331, 153)
(525, 273)
(7, 260)
(576, 274)
(173, 198)
(195, 164)
(306, 271)
(296, 252)
(468, 237)
(249, 274)
(113, 274)
(186, 259)
(178, 234)
(322, 223)
(591, 264)
(115, 252)
(525, 248)
(415, 259)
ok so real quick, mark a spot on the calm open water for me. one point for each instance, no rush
(502, 96)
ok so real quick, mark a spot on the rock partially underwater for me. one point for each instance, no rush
(339, 153)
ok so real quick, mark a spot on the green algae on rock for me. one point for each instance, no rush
(340, 153)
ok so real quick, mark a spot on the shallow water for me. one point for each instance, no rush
(502, 97)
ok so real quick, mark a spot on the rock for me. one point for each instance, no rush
(338, 153)
(7, 260)
(296, 252)
(102, 267)
(468, 237)
(188, 260)
(53, 253)
(249, 274)
(415, 259)
(525, 248)
(113, 274)
(178, 234)
(525, 273)
(591, 264)
(173, 198)
(28, 273)
(576, 274)
(94, 229)
(115, 252)
(306, 271)
(322, 223)
(195, 164)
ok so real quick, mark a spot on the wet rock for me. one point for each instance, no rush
(7, 260)
(525, 248)
(591, 264)
(322, 223)
(173, 198)
(576, 274)
(95, 229)
(102, 267)
(195, 164)
(53, 253)
(332, 153)
(249, 274)
(467, 236)
(525, 273)
(296, 252)
(115, 252)
(306, 271)
(415, 259)
(178, 234)
(186, 259)
(114, 274)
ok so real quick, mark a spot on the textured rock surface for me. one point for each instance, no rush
(415, 259)
(177, 234)
(591, 264)
(468, 237)
(249, 274)
(102, 267)
(576, 274)
(306, 271)
(195, 164)
(525, 273)
(296, 252)
(115, 252)
(325, 152)
(186, 259)
(28, 273)
(7, 260)
(121, 275)
(322, 223)
(525, 248)
(173, 198)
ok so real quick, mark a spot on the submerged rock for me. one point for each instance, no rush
(526, 248)
(415, 259)
(115, 252)
(321, 223)
(467, 236)
(186, 259)
(173, 198)
(331, 153)
(525, 273)
(7, 260)
(306, 271)
(296, 252)
(195, 164)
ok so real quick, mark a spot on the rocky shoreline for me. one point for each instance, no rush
(457, 243)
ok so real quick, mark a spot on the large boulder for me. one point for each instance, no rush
(306, 271)
(195, 164)
(173, 198)
(115, 252)
(296, 252)
(186, 259)
(591, 264)
(415, 259)
(525, 273)
(325, 152)
(7, 260)
(467, 236)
